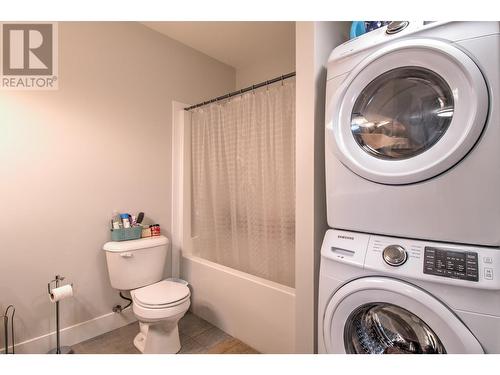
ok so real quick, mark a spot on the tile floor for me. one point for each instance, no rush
(196, 334)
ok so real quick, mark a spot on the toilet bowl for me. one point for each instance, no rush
(159, 307)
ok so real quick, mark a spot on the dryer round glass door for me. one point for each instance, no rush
(408, 112)
(402, 113)
(380, 315)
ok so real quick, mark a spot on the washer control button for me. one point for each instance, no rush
(394, 255)
(488, 260)
(396, 26)
(488, 273)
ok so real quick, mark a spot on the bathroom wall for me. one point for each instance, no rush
(280, 61)
(68, 158)
(315, 41)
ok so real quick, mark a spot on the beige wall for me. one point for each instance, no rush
(315, 41)
(68, 158)
(282, 61)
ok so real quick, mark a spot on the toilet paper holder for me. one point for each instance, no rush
(58, 349)
(56, 281)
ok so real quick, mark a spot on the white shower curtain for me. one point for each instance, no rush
(243, 183)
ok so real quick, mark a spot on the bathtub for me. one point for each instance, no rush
(259, 312)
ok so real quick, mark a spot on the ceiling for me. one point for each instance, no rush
(238, 44)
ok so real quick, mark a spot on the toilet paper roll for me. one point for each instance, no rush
(60, 293)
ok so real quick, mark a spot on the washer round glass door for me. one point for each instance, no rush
(408, 112)
(380, 315)
(383, 328)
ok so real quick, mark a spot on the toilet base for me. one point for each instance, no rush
(158, 338)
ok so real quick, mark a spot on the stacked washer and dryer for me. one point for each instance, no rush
(412, 264)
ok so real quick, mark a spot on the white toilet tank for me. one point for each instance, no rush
(136, 263)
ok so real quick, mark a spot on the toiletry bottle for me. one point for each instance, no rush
(155, 230)
(116, 221)
(125, 220)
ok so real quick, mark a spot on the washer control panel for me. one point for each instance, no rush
(461, 265)
(444, 263)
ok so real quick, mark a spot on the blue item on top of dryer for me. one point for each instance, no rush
(357, 29)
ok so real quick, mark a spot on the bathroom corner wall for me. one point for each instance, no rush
(271, 67)
(277, 62)
(314, 43)
(68, 158)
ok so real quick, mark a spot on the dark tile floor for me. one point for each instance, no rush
(196, 335)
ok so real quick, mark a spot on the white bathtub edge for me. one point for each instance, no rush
(259, 312)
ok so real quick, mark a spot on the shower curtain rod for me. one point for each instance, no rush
(249, 88)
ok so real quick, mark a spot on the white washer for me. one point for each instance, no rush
(413, 133)
(391, 295)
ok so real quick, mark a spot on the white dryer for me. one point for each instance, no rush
(413, 132)
(390, 295)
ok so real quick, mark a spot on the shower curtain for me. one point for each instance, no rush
(243, 183)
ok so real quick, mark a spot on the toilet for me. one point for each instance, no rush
(138, 266)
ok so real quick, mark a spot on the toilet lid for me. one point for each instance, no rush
(162, 293)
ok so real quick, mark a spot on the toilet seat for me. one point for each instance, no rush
(161, 295)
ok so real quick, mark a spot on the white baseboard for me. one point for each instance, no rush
(77, 333)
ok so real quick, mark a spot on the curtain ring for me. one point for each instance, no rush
(267, 85)
(281, 80)
(253, 89)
